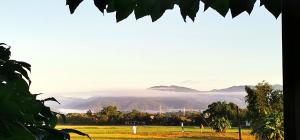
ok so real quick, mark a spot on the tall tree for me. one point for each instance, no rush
(263, 102)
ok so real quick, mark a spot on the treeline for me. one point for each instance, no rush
(110, 115)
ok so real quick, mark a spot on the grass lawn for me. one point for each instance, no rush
(155, 132)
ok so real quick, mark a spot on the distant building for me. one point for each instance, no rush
(247, 123)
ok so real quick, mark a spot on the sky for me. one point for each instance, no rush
(87, 51)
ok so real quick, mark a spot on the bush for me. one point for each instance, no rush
(220, 124)
(271, 127)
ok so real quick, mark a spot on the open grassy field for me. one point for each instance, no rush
(155, 132)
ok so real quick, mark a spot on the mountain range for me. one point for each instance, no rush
(169, 98)
(175, 88)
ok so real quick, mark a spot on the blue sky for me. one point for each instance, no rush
(88, 51)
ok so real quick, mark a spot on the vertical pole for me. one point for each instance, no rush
(239, 122)
(291, 68)
(160, 110)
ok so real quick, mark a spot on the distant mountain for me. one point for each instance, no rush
(231, 89)
(242, 88)
(173, 88)
(150, 104)
(170, 98)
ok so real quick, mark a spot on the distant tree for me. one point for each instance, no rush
(134, 116)
(137, 116)
(110, 115)
(89, 113)
(264, 105)
(220, 109)
(22, 116)
(80, 119)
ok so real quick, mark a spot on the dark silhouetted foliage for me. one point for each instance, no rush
(23, 116)
(188, 8)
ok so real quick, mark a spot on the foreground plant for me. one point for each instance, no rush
(22, 115)
(271, 127)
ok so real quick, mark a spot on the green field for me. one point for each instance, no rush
(155, 132)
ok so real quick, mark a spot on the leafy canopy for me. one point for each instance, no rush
(188, 8)
(221, 109)
(265, 110)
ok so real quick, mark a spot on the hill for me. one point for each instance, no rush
(241, 88)
(173, 88)
(171, 98)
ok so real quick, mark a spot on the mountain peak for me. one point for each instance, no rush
(173, 88)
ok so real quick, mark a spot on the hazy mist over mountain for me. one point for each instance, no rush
(171, 98)
(173, 88)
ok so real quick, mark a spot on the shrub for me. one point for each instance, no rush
(220, 124)
(271, 127)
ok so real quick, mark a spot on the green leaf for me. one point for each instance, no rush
(17, 67)
(73, 4)
(35, 95)
(76, 132)
(111, 6)
(237, 7)
(221, 6)
(123, 8)
(250, 6)
(4, 52)
(143, 8)
(25, 65)
(19, 85)
(189, 8)
(273, 6)
(207, 4)
(9, 108)
(20, 132)
(101, 4)
(53, 134)
(159, 8)
(156, 8)
(50, 99)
